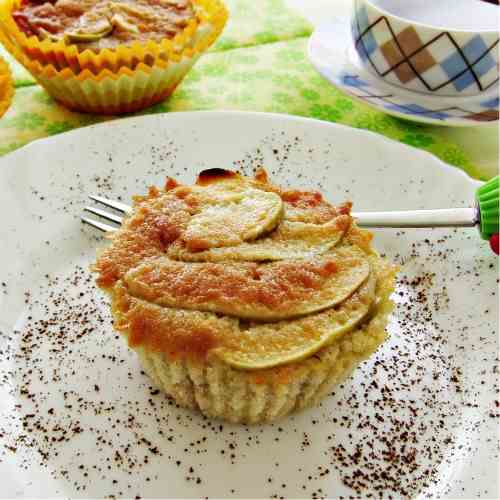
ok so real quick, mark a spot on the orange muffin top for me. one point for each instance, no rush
(102, 24)
(237, 267)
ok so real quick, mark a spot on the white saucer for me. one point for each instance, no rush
(333, 54)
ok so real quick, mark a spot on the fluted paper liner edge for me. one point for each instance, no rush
(6, 87)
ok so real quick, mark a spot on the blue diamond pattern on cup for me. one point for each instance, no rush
(464, 81)
(474, 49)
(454, 65)
(354, 28)
(362, 18)
(484, 65)
(355, 36)
(369, 42)
(363, 55)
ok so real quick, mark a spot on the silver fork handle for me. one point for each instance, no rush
(449, 217)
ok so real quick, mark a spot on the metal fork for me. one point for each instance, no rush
(116, 205)
(448, 217)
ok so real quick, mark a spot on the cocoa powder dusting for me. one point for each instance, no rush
(385, 433)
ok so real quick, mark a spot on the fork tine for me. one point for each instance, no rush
(104, 214)
(117, 205)
(106, 228)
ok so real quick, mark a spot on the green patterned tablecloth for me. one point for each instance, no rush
(258, 64)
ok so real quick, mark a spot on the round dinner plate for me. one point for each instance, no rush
(331, 51)
(78, 418)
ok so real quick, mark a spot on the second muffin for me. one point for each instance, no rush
(106, 56)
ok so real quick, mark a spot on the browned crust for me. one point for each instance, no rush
(211, 175)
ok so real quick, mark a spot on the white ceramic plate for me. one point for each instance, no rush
(79, 419)
(332, 53)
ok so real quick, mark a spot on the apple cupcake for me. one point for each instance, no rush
(109, 56)
(6, 87)
(243, 300)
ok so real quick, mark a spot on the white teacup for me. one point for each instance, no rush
(445, 47)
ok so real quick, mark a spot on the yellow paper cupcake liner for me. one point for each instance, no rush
(112, 93)
(6, 87)
(200, 33)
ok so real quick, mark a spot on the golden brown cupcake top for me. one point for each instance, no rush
(245, 219)
(100, 24)
(238, 267)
